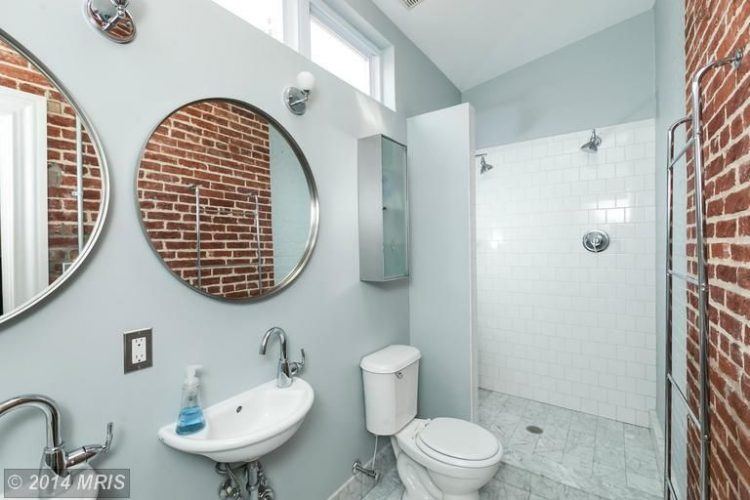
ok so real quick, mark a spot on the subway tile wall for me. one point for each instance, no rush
(557, 323)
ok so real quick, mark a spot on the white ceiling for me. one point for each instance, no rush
(473, 41)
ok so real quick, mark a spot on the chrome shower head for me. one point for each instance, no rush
(484, 167)
(593, 145)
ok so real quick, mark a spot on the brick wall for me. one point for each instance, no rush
(224, 148)
(16, 72)
(715, 29)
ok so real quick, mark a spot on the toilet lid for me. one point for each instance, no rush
(458, 439)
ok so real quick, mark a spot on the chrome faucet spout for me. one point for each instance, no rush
(278, 332)
(55, 456)
(47, 406)
(285, 370)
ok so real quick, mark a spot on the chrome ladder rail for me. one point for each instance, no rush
(701, 281)
(670, 385)
(196, 188)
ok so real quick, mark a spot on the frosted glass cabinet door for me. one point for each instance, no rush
(394, 210)
(383, 210)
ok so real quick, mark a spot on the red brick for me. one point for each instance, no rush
(224, 149)
(737, 202)
(714, 30)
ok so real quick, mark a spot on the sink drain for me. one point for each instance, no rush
(534, 429)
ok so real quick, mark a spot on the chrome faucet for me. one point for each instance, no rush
(55, 457)
(286, 370)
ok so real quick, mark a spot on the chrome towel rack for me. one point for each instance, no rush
(224, 211)
(699, 420)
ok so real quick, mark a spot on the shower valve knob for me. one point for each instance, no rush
(596, 241)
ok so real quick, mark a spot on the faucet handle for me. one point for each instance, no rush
(90, 451)
(109, 438)
(295, 367)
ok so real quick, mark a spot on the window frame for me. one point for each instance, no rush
(297, 17)
(350, 35)
(286, 28)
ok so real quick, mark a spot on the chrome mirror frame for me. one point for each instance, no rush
(105, 195)
(312, 235)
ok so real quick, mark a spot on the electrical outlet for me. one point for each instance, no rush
(138, 351)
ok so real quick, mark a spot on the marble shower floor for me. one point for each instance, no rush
(576, 457)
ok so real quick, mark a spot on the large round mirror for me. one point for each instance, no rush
(53, 182)
(227, 200)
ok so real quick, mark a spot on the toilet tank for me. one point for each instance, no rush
(390, 379)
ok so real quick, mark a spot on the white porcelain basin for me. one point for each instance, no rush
(247, 426)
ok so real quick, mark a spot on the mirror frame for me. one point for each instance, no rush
(312, 235)
(96, 232)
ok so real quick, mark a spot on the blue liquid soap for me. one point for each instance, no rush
(190, 420)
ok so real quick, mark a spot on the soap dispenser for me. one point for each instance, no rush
(191, 418)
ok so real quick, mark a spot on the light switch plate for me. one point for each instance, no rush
(137, 350)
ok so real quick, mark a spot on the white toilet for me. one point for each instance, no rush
(438, 459)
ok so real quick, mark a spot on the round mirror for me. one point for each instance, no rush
(53, 182)
(227, 200)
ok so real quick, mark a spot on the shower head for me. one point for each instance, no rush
(593, 145)
(484, 167)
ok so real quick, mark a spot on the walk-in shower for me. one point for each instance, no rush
(592, 146)
(567, 337)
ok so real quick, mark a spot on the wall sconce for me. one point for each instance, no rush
(111, 18)
(296, 97)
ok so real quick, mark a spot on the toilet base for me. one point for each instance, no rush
(416, 480)
(426, 478)
(419, 485)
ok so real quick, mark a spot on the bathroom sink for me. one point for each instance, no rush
(247, 426)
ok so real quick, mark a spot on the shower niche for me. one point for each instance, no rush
(383, 210)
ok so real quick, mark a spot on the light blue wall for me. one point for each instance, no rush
(71, 347)
(669, 21)
(441, 296)
(290, 206)
(605, 79)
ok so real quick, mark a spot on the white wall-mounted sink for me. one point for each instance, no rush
(247, 426)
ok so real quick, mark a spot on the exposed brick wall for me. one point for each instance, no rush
(224, 148)
(715, 29)
(16, 72)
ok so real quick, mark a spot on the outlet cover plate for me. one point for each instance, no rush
(138, 350)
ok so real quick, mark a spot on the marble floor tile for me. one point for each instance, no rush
(387, 488)
(612, 456)
(651, 484)
(497, 490)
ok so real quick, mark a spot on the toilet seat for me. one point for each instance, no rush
(458, 443)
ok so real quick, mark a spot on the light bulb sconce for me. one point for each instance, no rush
(296, 98)
(112, 19)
